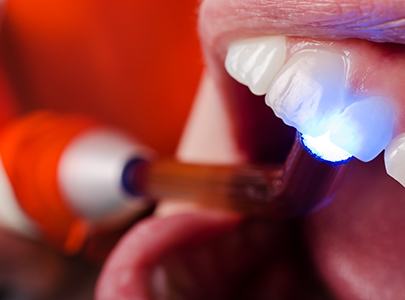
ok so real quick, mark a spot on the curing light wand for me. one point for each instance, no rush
(64, 175)
(281, 191)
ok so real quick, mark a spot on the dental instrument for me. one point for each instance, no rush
(67, 174)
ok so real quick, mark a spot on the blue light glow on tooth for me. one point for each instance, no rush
(323, 148)
(364, 129)
(309, 90)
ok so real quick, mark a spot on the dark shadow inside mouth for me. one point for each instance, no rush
(263, 137)
(5, 293)
(260, 260)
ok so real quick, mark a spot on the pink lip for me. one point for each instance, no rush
(128, 272)
(377, 21)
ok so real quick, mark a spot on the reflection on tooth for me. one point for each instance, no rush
(255, 62)
(322, 147)
(365, 128)
(309, 90)
(395, 159)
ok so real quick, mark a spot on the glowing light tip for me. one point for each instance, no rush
(323, 148)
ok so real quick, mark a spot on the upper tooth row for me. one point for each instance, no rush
(255, 62)
(308, 91)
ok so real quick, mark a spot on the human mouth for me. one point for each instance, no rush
(355, 242)
(374, 71)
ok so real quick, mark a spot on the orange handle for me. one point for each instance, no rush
(31, 148)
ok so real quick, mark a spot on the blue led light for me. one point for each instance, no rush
(324, 149)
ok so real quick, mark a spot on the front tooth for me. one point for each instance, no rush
(255, 62)
(309, 90)
(364, 129)
(395, 159)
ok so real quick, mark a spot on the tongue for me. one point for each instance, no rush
(128, 272)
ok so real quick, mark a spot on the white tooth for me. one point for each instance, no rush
(364, 129)
(255, 62)
(395, 159)
(309, 90)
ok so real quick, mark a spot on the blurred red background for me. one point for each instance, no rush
(132, 63)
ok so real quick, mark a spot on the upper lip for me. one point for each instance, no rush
(222, 21)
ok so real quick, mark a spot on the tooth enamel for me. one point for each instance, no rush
(309, 90)
(394, 158)
(255, 62)
(364, 129)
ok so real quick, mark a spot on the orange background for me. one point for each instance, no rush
(132, 63)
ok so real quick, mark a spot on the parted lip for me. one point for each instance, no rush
(221, 21)
(128, 272)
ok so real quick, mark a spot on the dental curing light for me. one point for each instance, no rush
(68, 174)
(289, 190)
(322, 148)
